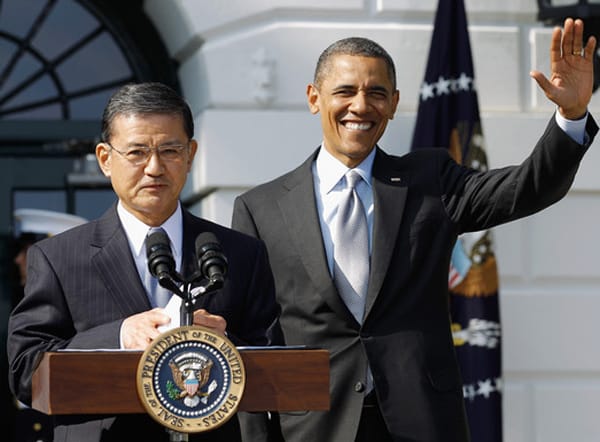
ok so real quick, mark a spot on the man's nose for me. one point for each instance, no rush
(154, 162)
(359, 103)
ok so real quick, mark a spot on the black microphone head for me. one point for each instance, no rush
(206, 241)
(210, 256)
(158, 253)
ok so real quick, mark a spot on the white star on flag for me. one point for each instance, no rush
(485, 388)
(442, 86)
(427, 91)
(463, 81)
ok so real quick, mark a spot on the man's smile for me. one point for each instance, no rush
(352, 125)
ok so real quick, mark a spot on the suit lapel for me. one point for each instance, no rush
(389, 198)
(188, 263)
(299, 211)
(116, 266)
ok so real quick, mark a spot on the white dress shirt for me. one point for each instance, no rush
(136, 232)
(573, 128)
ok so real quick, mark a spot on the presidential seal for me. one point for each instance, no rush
(191, 379)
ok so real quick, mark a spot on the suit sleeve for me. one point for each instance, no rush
(43, 322)
(477, 201)
(258, 320)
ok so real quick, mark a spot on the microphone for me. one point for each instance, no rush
(159, 256)
(211, 259)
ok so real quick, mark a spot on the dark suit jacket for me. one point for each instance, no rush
(422, 202)
(82, 284)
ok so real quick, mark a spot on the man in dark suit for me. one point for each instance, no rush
(394, 373)
(84, 287)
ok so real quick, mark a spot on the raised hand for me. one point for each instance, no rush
(572, 71)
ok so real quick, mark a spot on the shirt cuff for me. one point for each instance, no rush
(121, 345)
(573, 128)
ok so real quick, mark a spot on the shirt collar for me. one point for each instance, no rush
(137, 231)
(330, 170)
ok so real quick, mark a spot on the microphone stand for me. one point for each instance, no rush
(182, 287)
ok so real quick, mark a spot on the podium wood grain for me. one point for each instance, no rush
(104, 382)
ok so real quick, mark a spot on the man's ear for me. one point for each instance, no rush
(193, 149)
(103, 157)
(312, 97)
(395, 101)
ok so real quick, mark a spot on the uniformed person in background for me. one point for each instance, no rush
(30, 226)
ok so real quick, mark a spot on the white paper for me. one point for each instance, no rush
(172, 309)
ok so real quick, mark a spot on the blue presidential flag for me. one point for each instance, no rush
(448, 118)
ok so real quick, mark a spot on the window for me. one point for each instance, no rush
(60, 60)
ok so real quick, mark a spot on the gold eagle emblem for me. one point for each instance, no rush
(191, 372)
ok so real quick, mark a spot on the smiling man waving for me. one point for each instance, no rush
(394, 374)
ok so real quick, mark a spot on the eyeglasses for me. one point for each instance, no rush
(138, 155)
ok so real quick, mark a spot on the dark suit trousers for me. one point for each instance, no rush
(372, 427)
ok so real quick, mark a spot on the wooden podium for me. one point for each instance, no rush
(104, 382)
